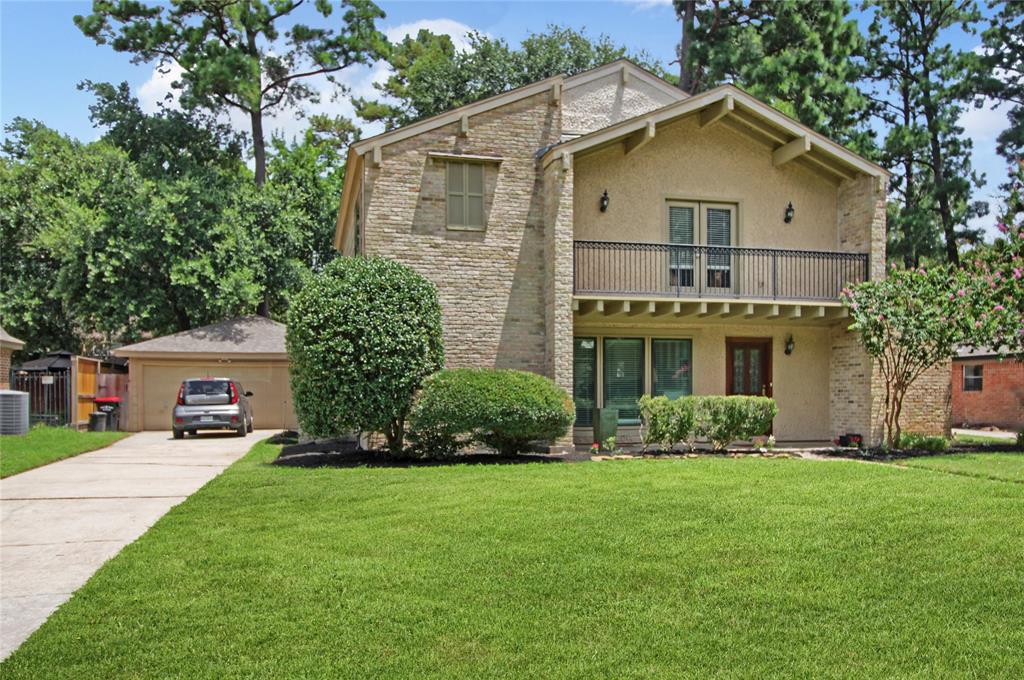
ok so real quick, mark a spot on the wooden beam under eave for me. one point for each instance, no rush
(758, 127)
(718, 309)
(838, 313)
(640, 139)
(828, 167)
(638, 308)
(691, 309)
(748, 310)
(795, 313)
(666, 308)
(556, 93)
(717, 111)
(375, 157)
(818, 312)
(616, 307)
(464, 125)
(791, 151)
(773, 312)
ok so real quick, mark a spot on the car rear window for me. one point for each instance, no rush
(207, 392)
(206, 387)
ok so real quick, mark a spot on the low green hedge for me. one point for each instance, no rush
(503, 409)
(720, 420)
(923, 442)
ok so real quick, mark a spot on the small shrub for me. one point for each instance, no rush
(667, 422)
(503, 409)
(923, 442)
(726, 419)
(362, 335)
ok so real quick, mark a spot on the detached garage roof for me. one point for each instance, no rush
(253, 336)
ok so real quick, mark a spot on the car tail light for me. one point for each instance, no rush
(181, 395)
(234, 419)
(233, 392)
(179, 420)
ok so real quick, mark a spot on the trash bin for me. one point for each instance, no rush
(97, 421)
(111, 406)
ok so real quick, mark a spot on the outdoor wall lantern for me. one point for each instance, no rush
(604, 201)
(789, 345)
(789, 213)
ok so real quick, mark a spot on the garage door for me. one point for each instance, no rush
(271, 400)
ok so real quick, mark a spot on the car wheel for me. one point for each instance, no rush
(178, 434)
(241, 430)
(251, 428)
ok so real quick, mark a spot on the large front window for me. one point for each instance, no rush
(618, 370)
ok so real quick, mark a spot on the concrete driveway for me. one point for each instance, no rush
(61, 522)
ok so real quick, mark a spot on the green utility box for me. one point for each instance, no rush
(606, 424)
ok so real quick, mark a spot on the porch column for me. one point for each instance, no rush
(558, 257)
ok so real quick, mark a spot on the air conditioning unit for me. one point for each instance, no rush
(13, 412)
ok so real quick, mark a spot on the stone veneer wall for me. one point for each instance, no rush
(558, 259)
(491, 283)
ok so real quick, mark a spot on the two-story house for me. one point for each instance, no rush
(621, 237)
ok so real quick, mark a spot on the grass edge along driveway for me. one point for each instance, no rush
(746, 567)
(43, 445)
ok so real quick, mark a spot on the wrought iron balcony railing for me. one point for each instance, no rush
(670, 270)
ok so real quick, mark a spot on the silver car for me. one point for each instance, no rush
(212, 404)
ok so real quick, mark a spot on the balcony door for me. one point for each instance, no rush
(706, 269)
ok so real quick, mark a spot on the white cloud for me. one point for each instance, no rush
(155, 91)
(456, 30)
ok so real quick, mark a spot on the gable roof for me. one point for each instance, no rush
(250, 335)
(8, 341)
(559, 81)
(729, 101)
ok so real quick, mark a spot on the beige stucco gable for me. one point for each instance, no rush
(610, 94)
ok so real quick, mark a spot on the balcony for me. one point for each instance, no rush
(663, 270)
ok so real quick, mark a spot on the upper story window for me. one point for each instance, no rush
(694, 223)
(972, 378)
(465, 193)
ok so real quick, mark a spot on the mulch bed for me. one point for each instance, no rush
(900, 454)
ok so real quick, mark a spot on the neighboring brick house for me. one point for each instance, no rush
(621, 237)
(8, 346)
(988, 390)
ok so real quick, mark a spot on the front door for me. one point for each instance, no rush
(749, 366)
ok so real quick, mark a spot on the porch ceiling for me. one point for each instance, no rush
(601, 309)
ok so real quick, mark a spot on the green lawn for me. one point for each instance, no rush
(980, 439)
(44, 445)
(670, 568)
(1006, 466)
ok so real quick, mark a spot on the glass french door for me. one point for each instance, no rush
(712, 225)
(749, 366)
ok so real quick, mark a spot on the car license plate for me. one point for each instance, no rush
(206, 419)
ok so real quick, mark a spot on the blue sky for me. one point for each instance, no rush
(43, 56)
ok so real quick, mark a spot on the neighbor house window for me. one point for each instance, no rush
(972, 378)
(671, 374)
(584, 377)
(624, 377)
(465, 195)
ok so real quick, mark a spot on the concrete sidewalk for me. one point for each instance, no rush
(61, 522)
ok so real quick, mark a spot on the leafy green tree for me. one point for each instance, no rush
(236, 55)
(923, 84)
(430, 76)
(908, 323)
(804, 58)
(362, 336)
(1003, 81)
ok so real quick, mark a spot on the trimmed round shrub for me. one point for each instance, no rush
(667, 422)
(361, 337)
(503, 409)
(726, 419)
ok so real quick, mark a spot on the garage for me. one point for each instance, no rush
(249, 349)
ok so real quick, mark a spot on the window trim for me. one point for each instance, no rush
(466, 194)
(977, 381)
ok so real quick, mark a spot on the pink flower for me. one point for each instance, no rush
(999, 308)
(1002, 227)
(1018, 272)
(921, 271)
(961, 292)
(977, 324)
